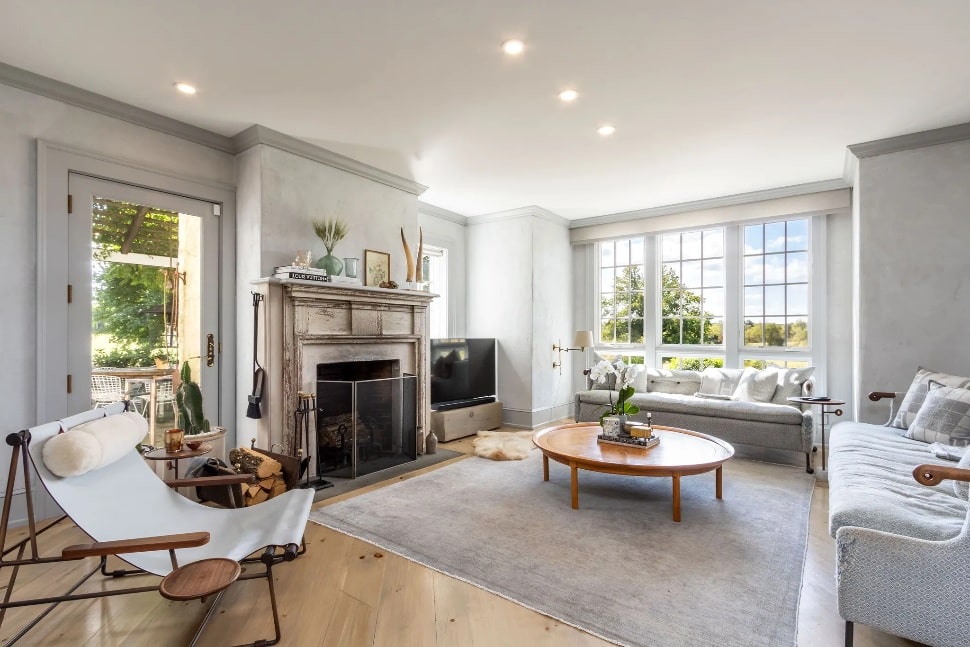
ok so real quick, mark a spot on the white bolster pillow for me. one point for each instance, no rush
(94, 444)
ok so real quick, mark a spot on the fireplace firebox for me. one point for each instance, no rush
(366, 417)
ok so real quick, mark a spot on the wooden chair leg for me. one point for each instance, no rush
(848, 633)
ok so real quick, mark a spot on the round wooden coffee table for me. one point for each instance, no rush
(680, 453)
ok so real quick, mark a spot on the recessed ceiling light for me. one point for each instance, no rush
(185, 88)
(513, 47)
(606, 130)
(568, 96)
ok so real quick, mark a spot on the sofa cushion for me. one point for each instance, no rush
(663, 380)
(917, 393)
(720, 381)
(943, 418)
(871, 485)
(962, 488)
(680, 403)
(757, 386)
(791, 381)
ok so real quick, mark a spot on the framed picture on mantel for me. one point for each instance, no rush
(377, 267)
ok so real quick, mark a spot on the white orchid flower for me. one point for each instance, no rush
(619, 365)
(631, 374)
(601, 372)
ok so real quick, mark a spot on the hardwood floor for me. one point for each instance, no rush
(346, 593)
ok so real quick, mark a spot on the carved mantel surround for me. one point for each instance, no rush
(308, 324)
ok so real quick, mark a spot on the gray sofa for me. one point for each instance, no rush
(761, 424)
(903, 548)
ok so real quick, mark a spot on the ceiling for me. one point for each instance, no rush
(709, 97)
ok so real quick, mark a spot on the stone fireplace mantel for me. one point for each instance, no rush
(305, 324)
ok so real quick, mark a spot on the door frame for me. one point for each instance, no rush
(54, 163)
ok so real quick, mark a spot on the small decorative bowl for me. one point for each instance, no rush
(193, 444)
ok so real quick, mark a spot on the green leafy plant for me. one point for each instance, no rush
(188, 403)
(624, 380)
(330, 232)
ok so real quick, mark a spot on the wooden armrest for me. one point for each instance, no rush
(876, 396)
(934, 474)
(139, 545)
(228, 479)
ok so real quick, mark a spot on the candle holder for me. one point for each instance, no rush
(173, 440)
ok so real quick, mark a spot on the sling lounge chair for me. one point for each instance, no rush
(129, 512)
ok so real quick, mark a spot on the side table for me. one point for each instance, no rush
(165, 455)
(823, 403)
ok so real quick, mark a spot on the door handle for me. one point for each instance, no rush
(210, 349)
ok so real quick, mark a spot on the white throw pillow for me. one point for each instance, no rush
(720, 381)
(790, 383)
(94, 444)
(962, 488)
(664, 380)
(944, 417)
(916, 393)
(757, 386)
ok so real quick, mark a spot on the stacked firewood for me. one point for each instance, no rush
(268, 471)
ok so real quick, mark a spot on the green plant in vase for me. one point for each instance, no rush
(330, 232)
(624, 382)
(188, 403)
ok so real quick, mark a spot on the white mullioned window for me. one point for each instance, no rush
(435, 271)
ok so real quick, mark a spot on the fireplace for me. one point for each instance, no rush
(366, 417)
(313, 333)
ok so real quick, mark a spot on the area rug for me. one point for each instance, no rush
(343, 486)
(618, 567)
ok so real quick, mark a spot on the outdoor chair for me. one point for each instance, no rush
(153, 528)
(165, 396)
(106, 389)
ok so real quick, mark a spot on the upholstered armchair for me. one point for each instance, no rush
(915, 588)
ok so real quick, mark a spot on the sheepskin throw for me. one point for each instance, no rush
(503, 445)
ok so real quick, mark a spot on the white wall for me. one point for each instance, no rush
(519, 287)
(913, 273)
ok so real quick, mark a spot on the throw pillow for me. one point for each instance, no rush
(94, 444)
(757, 386)
(917, 393)
(790, 383)
(962, 488)
(720, 381)
(664, 380)
(943, 418)
(640, 379)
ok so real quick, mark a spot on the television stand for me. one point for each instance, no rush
(458, 423)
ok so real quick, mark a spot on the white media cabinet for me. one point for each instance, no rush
(458, 423)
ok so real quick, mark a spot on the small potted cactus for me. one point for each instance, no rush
(191, 418)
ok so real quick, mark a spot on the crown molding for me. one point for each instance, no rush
(949, 134)
(849, 167)
(533, 211)
(443, 214)
(257, 134)
(22, 79)
(713, 203)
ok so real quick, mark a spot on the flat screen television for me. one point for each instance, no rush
(462, 372)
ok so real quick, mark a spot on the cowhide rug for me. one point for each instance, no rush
(503, 445)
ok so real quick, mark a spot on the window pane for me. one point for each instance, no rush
(714, 273)
(671, 278)
(606, 279)
(798, 300)
(797, 332)
(691, 330)
(753, 304)
(623, 305)
(670, 244)
(713, 331)
(774, 237)
(670, 331)
(714, 302)
(670, 304)
(622, 252)
(774, 331)
(691, 277)
(774, 268)
(636, 331)
(691, 244)
(606, 306)
(753, 332)
(606, 254)
(622, 332)
(755, 363)
(798, 267)
(753, 243)
(775, 300)
(636, 251)
(713, 243)
(753, 270)
(797, 235)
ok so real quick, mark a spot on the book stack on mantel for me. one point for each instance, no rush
(311, 274)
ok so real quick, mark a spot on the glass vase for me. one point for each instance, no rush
(331, 264)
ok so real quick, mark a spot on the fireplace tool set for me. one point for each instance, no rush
(305, 419)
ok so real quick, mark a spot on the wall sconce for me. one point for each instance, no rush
(582, 340)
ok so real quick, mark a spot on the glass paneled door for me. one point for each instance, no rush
(143, 268)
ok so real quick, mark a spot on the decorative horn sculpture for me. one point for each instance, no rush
(408, 256)
(419, 270)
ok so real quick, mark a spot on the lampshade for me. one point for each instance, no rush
(583, 339)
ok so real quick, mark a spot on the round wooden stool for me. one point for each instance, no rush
(199, 579)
